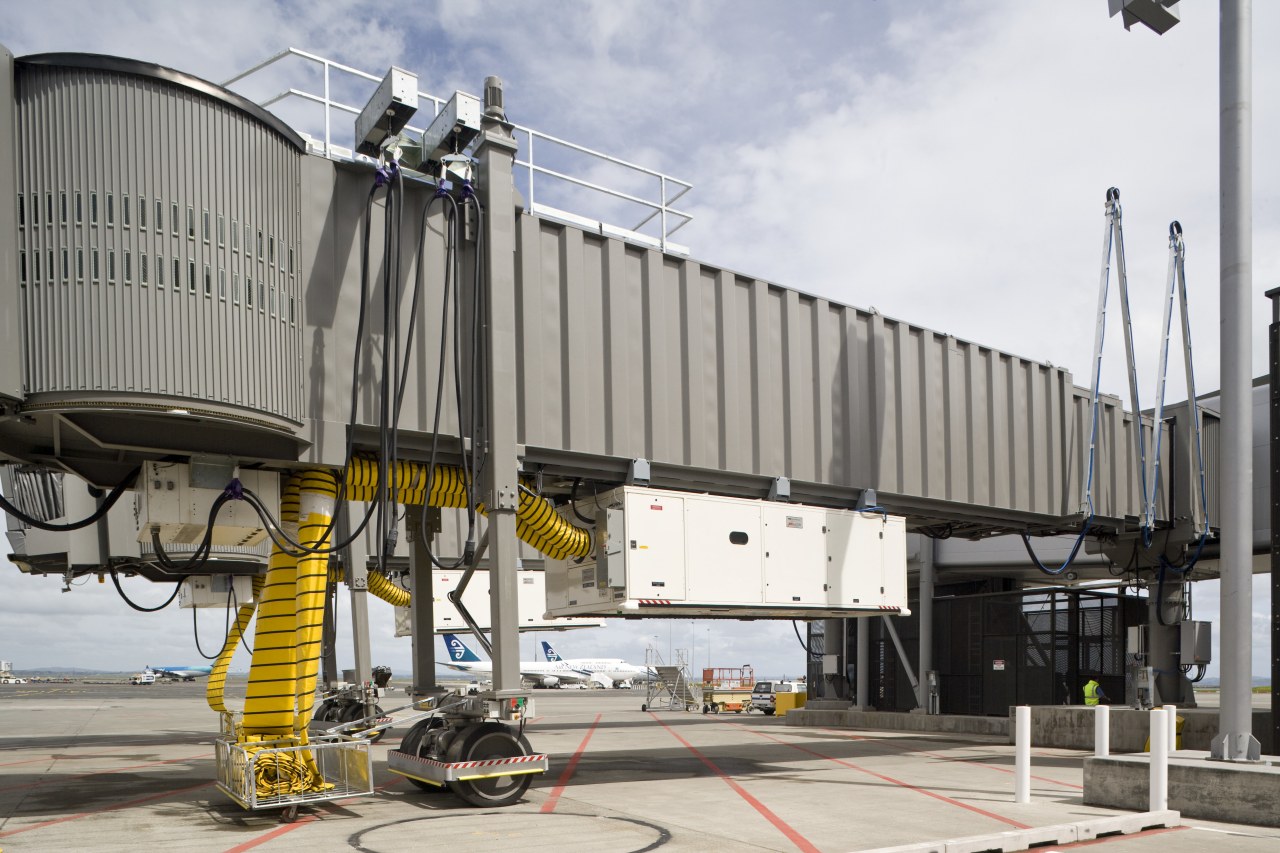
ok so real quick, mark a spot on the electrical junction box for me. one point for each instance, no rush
(1196, 645)
(665, 553)
(531, 602)
(387, 112)
(181, 510)
(216, 591)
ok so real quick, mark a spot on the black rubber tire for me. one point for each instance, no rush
(715, 708)
(322, 713)
(706, 709)
(481, 743)
(412, 744)
(644, 706)
(768, 712)
(353, 711)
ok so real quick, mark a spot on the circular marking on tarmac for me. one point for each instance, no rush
(501, 830)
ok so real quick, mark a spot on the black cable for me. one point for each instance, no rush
(450, 282)
(243, 642)
(115, 579)
(796, 628)
(97, 514)
(573, 502)
(195, 628)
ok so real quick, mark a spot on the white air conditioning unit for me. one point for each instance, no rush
(665, 553)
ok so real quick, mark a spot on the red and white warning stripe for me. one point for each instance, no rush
(471, 765)
(654, 602)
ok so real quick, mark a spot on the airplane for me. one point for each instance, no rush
(542, 674)
(184, 673)
(617, 671)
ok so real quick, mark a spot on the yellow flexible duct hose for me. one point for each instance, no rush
(537, 521)
(319, 491)
(381, 586)
(271, 697)
(216, 686)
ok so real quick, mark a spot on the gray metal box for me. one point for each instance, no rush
(1196, 643)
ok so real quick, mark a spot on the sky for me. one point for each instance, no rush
(945, 164)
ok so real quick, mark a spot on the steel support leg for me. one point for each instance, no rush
(496, 154)
(906, 662)
(421, 608)
(863, 674)
(927, 577)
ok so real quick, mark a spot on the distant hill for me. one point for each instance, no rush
(1258, 681)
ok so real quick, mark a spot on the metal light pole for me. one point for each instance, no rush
(1235, 740)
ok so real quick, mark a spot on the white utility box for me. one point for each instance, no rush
(531, 602)
(181, 509)
(665, 553)
(216, 591)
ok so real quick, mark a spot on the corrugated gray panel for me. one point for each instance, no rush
(127, 152)
(627, 353)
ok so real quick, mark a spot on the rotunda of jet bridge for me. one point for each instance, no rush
(158, 220)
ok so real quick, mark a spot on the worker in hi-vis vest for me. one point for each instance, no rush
(1093, 693)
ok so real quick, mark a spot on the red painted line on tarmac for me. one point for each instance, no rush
(102, 772)
(1008, 821)
(785, 828)
(124, 805)
(550, 805)
(301, 822)
(940, 757)
(1111, 838)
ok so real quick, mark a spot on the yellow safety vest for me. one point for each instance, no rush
(1091, 693)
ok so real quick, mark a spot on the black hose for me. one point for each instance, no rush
(97, 514)
(115, 579)
(573, 502)
(800, 639)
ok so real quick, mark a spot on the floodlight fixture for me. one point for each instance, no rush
(387, 112)
(454, 128)
(1158, 15)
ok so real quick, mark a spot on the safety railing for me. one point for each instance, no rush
(553, 168)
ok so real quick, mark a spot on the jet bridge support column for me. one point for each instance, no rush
(496, 153)
(863, 674)
(421, 607)
(927, 576)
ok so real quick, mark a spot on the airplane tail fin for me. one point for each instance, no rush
(551, 653)
(458, 651)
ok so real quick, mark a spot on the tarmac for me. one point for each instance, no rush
(117, 767)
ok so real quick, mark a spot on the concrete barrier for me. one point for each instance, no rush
(1231, 792)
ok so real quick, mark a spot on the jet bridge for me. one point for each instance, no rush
(207, 288)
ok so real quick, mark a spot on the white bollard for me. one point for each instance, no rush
(1173, 727)
(1022, 753)
(1159, 794)
(1101, 730)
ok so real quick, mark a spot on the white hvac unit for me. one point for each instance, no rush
(531, 603)
(664, 553)
(216, 591)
